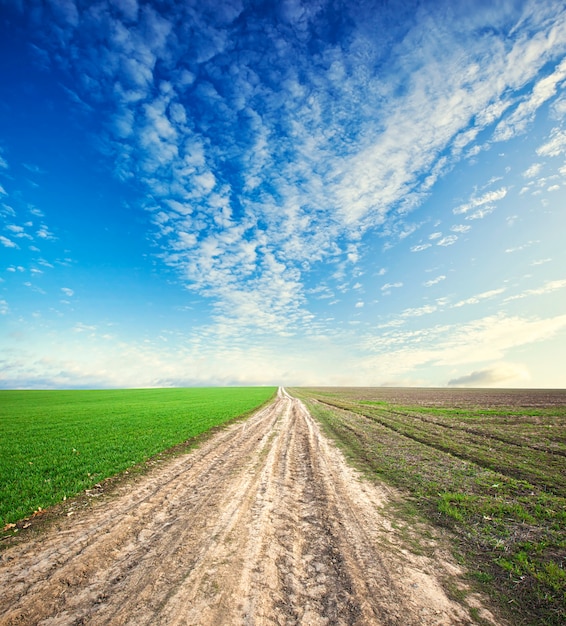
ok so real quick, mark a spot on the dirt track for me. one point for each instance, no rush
(263, 524)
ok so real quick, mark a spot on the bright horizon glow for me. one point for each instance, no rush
(292, 193)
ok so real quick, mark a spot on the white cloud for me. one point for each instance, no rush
(398, 352)
(542, 91)
(460, 228)
(434, 281)
(44, 233)
(480, 213)
(80, 327)
(473, 152)
(493, 376)
(421, 247)
(533, 170)
(419, 311)
(555, 146)
(359, 305)
(7, 243)
(6, 209)
(479, 297)
(548, 287)
(4, 309)
(34, 169)
(68, 292)
(489, 198)
(389, 286)
(128, 7)
(524, 246)
(448, 240)
(484, 340)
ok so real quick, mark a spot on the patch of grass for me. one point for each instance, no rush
(55, 444)
(493, 474)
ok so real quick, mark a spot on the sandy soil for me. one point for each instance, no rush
(263, 524)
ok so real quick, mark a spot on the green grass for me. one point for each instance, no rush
(55, 444)
(493, 474)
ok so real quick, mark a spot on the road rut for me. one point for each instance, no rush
(263, 524)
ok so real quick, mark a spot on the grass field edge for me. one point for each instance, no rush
(27, 528)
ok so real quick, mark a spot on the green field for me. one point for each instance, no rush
(489, 466)
(55, 444)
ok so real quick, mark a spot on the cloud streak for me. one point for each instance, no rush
(486, 339)
(493, 376)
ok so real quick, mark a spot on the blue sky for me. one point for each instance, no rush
(338, 193)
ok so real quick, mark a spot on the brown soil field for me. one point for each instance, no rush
(264, 523)
(457, 397)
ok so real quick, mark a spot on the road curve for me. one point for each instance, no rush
(263, 524)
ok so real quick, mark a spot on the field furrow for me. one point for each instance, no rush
(504, 504)
(531, 463)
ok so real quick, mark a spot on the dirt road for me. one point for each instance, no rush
(263, 524)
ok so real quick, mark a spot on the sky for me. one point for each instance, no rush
(321, 192)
